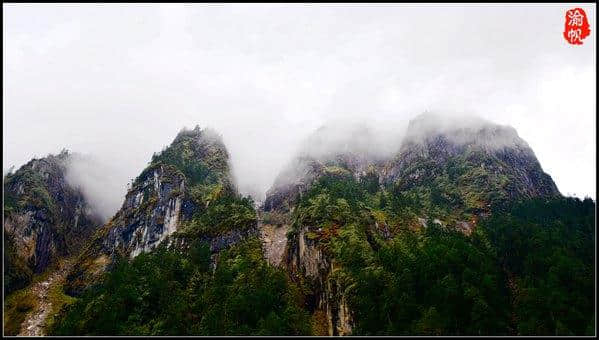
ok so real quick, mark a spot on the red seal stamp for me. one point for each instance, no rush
(577, 26)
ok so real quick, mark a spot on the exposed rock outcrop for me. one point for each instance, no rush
(274, 242)
(153, 210)
(306, 258)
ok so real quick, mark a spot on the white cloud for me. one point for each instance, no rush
(119, 81)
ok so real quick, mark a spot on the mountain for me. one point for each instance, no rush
(359, 228)
(181, 257)
(489, 161)
(330, 150)
(45, 218)
(165, 203)
(450, 227)
(450, 168)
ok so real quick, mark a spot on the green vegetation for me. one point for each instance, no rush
(16, 307)
(548, 248)
(219, 209)
(437, 281)
(202, 158)
(17, 273)
(167, 292)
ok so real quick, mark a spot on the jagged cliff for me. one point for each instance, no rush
(44, 218)
(168, 202)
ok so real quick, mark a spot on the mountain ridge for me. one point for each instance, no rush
(349, 240)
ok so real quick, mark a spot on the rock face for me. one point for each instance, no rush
(153, 210)
(44, 218)
(290, 184)
(218, 243)
(274, 242)
(306, 258)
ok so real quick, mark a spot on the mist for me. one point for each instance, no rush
(359, 139)
(118, 82)
(463, 130)
(99, 181)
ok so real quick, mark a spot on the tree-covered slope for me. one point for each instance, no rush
(175, 292)
(547, 248)
(527, 269)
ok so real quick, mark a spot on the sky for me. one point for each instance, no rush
(118, 81)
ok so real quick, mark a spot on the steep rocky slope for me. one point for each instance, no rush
(44, 218)
(185, 193)
(349, 152)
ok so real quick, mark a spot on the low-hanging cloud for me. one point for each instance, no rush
(347, 136)
(119, 81)
(99, 181)
(352, 139)
(463, 129)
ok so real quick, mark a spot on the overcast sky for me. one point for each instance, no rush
(119, 81)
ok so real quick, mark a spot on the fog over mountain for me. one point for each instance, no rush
(96, 178)
(117, 82)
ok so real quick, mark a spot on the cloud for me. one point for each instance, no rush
(463, 130)
(100, 182)
(119, 81)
